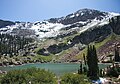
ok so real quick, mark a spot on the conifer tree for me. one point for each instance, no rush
(92, 62)
(81, 67)
(84, 58)
(117, 58)
(80, 71)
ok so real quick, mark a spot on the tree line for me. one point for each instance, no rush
(11, 44)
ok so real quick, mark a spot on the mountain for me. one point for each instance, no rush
(4, 23)
(73, 23)
(82, 15)
(66, 37)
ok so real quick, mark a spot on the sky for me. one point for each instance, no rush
(39, 10)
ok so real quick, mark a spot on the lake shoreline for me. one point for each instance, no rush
(21, 63)
(49, 62)
(40, 63)
(56, 68)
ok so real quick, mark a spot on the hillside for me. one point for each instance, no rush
(65, 39)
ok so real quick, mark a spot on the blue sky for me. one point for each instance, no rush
(38, 10)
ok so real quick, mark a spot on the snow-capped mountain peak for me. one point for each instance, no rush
(78, 21)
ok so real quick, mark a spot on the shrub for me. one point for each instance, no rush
(25, 76)
(113, 72)
(70, 78)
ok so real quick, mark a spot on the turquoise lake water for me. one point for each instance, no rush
(57, 68)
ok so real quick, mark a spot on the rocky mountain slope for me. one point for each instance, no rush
(65, 37)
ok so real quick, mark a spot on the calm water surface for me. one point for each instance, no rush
(57, 68)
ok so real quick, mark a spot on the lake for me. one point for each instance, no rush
(57, 68)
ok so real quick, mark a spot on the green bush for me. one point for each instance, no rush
(25, 76)
(70, 78)
(113, 72)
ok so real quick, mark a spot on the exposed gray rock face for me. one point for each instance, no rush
(80, 15)
(96, 34)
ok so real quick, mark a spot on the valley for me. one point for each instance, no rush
(84, 43)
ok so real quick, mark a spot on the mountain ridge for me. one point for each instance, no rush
(78, 21)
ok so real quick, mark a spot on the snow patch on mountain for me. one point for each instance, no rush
(114, 14)
(72, 16)
(47, 29)
(82, 14)
(96, 22)
(77, 14)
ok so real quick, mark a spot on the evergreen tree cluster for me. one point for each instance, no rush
(11, 44)
(92, 62)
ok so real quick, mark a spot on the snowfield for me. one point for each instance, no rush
(47, 29)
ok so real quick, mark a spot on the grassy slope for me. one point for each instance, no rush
(49, 42)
